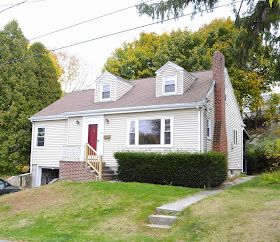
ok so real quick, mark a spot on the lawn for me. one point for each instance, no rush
(100, 211)
(92, 211)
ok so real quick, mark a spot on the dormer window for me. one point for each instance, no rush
(106, 91)
(170, 85)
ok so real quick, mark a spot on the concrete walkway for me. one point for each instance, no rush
(161, 220)
(180, 205)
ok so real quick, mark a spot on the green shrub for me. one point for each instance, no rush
(179, 169)
(271, 178)
(264, 156)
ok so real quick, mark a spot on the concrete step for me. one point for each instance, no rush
(159, 226)
(159, 219)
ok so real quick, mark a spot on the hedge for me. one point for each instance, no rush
(175, 168)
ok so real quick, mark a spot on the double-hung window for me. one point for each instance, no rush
(40, 139)
(170, 85)
(132, 132)
(106, 91)
(167, 132)
(208, 128)
(234, 137)
(150, 131)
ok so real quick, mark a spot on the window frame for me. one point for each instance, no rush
(235, 137)
(129, 132)
(209, 126)
(36, 137)
(175, 78)
(101, 91)
(162, 131)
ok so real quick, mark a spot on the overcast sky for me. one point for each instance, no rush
(43, 16)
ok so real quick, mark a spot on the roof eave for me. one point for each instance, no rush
(150, 108)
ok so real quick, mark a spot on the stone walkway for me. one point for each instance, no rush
(161, 220)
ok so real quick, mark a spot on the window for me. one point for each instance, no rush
(106, 91)
(208, 128)
(40, 141)
(167, 133)
(170, 85)
(132, 133)
(148, 131)
(2, 184)
(235, 137)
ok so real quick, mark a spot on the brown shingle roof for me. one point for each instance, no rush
(143, 93)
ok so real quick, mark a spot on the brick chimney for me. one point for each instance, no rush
(220, 135)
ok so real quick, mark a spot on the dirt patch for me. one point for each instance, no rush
(31, 200)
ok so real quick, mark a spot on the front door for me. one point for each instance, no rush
(92, 135)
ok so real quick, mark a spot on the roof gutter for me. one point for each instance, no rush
(151, 108)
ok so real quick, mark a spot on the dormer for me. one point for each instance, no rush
(172, 79)
(110, 87)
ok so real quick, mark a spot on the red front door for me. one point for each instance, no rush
(92, 135)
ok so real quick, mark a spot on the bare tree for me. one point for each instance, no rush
(76, 75)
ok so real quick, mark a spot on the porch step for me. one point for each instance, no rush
(165, 220)
(107, 173)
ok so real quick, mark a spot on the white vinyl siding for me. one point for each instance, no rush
(184, 80)
(117, 88)
(122, 89)
(233, 122)
(188, 80)
(98, 89)
(209, 115)
(55, 139)
(75, 130)
(169, 71)
(185, 136)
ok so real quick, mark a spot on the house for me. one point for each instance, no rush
(76, 136)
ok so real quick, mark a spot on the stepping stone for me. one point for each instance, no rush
(166, 220)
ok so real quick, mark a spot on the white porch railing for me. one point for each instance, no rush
(84, 153)
(73, 153)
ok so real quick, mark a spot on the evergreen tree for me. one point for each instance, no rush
(26, 87)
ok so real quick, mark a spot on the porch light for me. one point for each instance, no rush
(107, 121)
(77, 122)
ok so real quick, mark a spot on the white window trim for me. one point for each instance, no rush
(36, 136)
(208, 122)
(235, 137)
(162, 130)
(101, 91)
(175, 77)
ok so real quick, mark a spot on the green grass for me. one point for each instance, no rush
(100, 211)
(68, 211)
